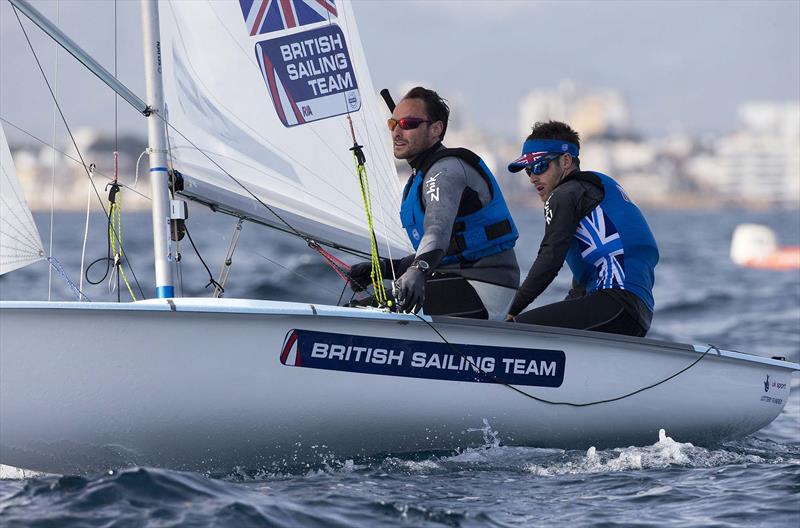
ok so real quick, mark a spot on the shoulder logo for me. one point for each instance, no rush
(548, 213)
(431, 188)
(624, 194)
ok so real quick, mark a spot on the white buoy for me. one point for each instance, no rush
(756, 246)
(752, 242)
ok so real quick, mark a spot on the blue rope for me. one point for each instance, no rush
(60, 269)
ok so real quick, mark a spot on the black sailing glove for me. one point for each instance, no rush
(411, 290)
(360, 276)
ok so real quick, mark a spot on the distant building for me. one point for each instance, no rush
(51, 179)
(760, 163)
(591, 112)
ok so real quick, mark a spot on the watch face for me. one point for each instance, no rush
(422, 265)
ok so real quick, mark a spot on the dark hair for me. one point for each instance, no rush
(556, 130)
(435, 106)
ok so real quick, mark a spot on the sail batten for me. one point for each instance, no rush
(268, 102)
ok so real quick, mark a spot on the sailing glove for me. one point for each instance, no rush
(410, 290)
(360, 276)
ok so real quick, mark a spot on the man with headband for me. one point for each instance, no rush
(592, 224)
(462, 232)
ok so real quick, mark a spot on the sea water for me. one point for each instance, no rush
(701, 297)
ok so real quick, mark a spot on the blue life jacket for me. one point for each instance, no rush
(614, 247)
(476, 233)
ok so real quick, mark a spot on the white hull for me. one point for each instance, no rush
(199, 384)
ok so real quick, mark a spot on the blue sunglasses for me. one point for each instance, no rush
(541, 165)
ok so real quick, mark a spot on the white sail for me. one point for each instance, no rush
(20, 243)
(265, 88)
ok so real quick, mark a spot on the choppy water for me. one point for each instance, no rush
(701, 297)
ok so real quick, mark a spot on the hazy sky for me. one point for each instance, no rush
(679, 64)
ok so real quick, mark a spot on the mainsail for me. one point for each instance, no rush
(265, 89)
(20, 243)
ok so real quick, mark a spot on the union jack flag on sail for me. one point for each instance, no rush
(600, 244)
(264, 16)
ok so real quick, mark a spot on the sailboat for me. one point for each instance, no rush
(256, 105)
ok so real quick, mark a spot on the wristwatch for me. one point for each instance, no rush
(421, 265)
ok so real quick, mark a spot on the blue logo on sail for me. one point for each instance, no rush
(309, 75)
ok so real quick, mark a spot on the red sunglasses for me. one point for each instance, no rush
(407, 123)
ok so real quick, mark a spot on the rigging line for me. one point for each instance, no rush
(266, 141)
(309, 279)
(69, 131)
(211, 281)
(85, 234)
(54, 262)
(344, 288)
(494, 379)
(116, 96)
(53, 171)
(63, 153)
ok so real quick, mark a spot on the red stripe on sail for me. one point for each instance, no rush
(295, 108)
(269, 71)
(259, 17)
(328, 7)
(288, 14)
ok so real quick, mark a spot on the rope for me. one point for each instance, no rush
(211, 281)
(53, 171)
(376, 273)
(56, 265)
(494, 379)
(115, 238)
(341, 269)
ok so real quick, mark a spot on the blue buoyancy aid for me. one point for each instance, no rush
(614, 247)
(475, 235)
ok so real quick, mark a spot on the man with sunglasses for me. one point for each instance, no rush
(456, 218)
(592, 224)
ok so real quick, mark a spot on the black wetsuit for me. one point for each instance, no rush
(605, 310)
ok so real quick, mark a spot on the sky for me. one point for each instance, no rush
(680, 65)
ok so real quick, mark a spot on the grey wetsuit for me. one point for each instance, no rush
(448, 185)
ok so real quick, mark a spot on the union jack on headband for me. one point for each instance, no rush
(600, 244)
(263, 16)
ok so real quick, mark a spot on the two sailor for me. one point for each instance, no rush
(464, 235)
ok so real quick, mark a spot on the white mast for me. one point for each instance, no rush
(156, 137)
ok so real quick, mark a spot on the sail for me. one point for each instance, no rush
(20, 243)
(265, 89)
